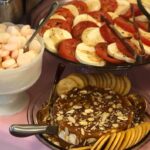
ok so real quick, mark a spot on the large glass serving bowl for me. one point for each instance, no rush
(36, 105)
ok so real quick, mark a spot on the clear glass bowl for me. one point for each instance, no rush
(36, 105)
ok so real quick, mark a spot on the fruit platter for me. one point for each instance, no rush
(99, 33)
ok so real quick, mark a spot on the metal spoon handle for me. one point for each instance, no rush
(52, 9)
(23, 130)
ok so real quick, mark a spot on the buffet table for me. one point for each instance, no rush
(41, 90)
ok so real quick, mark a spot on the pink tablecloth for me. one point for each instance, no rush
(139, 76)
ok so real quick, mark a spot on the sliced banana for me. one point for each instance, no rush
(141, 18)
(115, 53)
(146, 47)
(85, 17)
(86, 55)
(92, 36)
(56, 16)
(113, 15)
(53, 36)
(65, 85)
(93, 5)
(122, 31)
(123, 7)
(73, 9)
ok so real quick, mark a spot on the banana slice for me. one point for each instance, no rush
(122, 31)
(56, 16)
(113, 15)
(77, 79)
(116, 140)
(103, 142)
(141, 18)
(85, 17)
(92, 36)
(65, 85)
(111, 140)
(86, 55)
(52, 37)
(73, 9)
(120, 140)
(127, 85)
(146, 47)
(115, 53)
(123, 7)
(93, 5)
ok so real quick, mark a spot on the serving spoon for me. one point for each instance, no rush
(53, 8)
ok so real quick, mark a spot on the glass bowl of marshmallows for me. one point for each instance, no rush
(19, 70)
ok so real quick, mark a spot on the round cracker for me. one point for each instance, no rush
(120, 140)
(131, 138)
(65, 85)
(104, 80)
(108, 80)
(135, 136)
(122, 85)
(127, 85)
(139, 131)
(144, 131)
(91, 80)
(126, 139)
(96, 79)
(118, 85)
(111, 140)
(100, 81)
(77, 79)
(113, 80)
(98, 141)
(103, 142)
(116, 140)
(84, 78)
